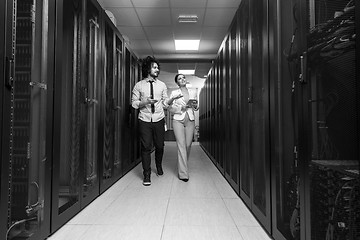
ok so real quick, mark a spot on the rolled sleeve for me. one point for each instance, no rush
(135, 97)
(164, 97)
(174, 107)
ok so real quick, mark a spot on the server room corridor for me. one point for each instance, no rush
(204, 208)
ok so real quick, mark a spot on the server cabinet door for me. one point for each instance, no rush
(284, 167)
(25, 137)
(109, 106)
(233, 110)
(134, 119)
(119, 100)
(128, 113)
(218, 132)
(91, 117)
(212, 117)
(130, 145)
(259, 112)
(225, 116)
(331, 115)
(68, 101)
(220, 111)
(3, 126)
(244, 102)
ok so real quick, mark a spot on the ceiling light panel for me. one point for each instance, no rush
(190, 4)
(186, 71)
(188, 19)
(187, 44)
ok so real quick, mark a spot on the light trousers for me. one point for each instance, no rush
(184, 133)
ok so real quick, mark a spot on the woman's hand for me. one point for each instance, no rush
(193, 103)
(177, 97)
(184, 108)
(171, 100)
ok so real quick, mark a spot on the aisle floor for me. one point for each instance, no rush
(204, 208)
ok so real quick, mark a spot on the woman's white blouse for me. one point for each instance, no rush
(177, 104)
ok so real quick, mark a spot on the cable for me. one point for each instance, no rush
(330, 230)
(17, 223)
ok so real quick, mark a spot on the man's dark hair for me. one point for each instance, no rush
(146, 65)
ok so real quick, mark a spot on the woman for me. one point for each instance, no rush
(183, 123)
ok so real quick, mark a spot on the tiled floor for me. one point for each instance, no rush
(204, 208)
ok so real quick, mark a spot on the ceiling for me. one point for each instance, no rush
(149, 27)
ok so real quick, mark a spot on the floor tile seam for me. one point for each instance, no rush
(261, 228)
(175, 178)
(212, 164)
(78, 224)
(80, 236)
(124, 224)
(167, 206)
(194, 197)
(258, 224)
(127, 185)
(241, 235)
(93, 202)
(197, 198)
(228, 210)
(162, 231)
(200, 225)
(111, 202)
(154, 186)
(139, 188)
(150, 198)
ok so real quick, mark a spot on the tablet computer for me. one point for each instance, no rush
(192, 102)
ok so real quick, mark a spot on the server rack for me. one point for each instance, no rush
(91, 83)
(3, 124)
(285, 191)
(232, 116)
(131, 148)
(220, 82)
(225, 106)
(258, 99)
(110, 168)
(77, 114)
(252, 132)
(61, 112)
(26, 119)
(119, 101)
(135, 77)
(330, 117)
(244, 106)
(298, 97)
(67, 118)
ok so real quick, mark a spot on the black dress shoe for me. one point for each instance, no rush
(160, 172)
(184, 179)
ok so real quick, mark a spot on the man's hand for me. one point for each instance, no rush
(151, 101)
(147, 101)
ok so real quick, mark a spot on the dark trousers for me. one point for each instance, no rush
(151, 134)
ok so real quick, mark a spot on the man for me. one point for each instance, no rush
(150, 97)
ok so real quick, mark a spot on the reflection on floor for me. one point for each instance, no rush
(205, 207)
